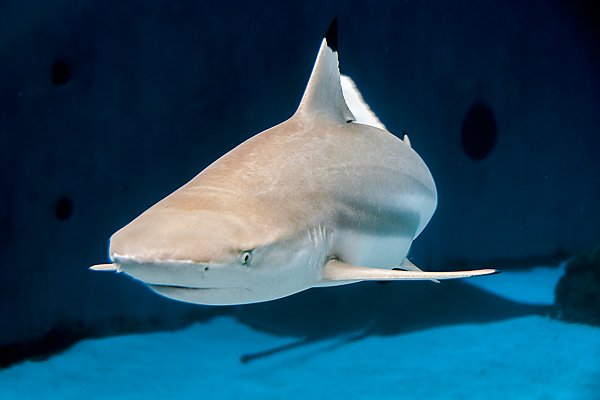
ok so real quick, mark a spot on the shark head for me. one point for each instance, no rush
(227, 237)
(209, 257)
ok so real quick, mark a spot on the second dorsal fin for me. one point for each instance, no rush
(323, 96)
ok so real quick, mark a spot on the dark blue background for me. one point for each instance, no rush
(106, 107)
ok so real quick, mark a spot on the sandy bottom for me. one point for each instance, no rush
(523, 358)
(535, 286)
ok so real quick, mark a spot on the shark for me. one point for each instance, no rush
(328, 197)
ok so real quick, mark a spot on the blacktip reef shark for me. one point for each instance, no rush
(328, 197)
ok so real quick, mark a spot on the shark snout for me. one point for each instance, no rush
(172, 238)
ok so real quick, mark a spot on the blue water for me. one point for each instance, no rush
(107, 107)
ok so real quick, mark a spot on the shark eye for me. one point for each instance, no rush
(245, 257)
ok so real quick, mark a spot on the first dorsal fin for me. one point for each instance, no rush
(323, 95)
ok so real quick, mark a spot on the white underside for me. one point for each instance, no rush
(370, 250)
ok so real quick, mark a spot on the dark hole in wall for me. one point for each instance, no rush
(479, 131)
(587, 13)
(6, 221)
(60, 73)
(63, 208)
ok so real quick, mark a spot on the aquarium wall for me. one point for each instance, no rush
(107, 107)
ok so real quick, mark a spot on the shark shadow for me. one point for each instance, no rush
(358, 311)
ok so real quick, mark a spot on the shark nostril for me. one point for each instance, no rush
(205, 268)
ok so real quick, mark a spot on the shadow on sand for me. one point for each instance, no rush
(353, 312)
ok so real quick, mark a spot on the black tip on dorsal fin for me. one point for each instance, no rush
(323, 97)
(332, 35)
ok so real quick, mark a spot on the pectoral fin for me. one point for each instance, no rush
(338, 271)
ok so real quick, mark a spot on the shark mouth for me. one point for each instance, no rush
(158, 287)
(203, 295)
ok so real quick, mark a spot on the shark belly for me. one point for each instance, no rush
(384, 244)
(381, 215)
(366, 249)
